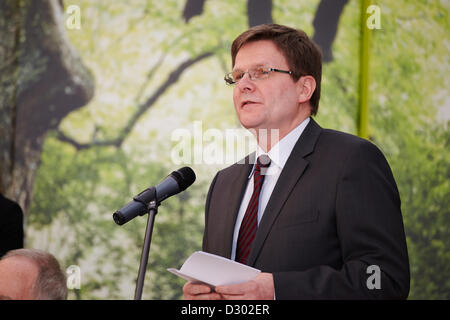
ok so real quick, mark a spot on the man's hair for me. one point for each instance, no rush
(51, 280)
(302, 54)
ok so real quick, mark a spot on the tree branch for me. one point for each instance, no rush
(193, 8)
(325, 25)
(259, 12)
(150, 75)
(117, 142)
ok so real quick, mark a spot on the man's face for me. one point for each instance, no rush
(271, 103)
(17, 276)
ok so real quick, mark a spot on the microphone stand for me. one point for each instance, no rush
(153, 210)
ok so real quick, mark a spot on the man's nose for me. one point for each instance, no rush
(246, 83)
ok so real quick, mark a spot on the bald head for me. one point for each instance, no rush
(18, 275)
(30, 274)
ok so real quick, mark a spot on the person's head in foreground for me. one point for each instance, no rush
(31, 274)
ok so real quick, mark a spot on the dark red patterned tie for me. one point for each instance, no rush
(249, 225)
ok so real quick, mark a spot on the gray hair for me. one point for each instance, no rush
(51, 280)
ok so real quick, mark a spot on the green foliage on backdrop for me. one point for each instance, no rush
(133, 46)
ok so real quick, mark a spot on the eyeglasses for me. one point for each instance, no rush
(254, 74)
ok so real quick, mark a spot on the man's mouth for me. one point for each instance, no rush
(246, 103)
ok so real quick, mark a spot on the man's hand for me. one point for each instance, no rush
(260, 288)
(195, 291)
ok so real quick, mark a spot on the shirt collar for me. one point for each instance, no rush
(281, 151)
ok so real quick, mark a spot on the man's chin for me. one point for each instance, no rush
(249, 121)
(249, 125)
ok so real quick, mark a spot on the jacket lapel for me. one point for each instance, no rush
(292, 172)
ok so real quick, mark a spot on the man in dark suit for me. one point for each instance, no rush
(323, 221)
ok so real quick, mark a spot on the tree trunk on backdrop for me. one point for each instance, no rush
(42, 79)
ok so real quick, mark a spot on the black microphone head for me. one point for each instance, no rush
(118, 218)
(184, 177)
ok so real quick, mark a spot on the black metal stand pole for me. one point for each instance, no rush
(153, 210)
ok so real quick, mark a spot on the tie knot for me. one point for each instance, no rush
(263, 161)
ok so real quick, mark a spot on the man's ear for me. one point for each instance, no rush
(305, 88)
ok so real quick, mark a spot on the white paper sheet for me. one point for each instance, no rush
(214, 270)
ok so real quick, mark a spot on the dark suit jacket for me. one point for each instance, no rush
(11, 225)
(334, 211)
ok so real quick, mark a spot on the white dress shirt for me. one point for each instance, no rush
(278, 156)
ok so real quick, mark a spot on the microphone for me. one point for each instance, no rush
(174, 183)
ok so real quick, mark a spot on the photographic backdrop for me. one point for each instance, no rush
(93, 94)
